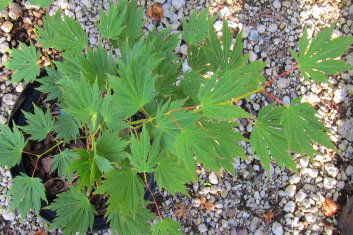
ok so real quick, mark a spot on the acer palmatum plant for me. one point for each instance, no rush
(133, 116)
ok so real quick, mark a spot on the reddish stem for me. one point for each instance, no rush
(154, 199)
(284, 73)
(274, 97)
(35, 167)
(33, 154)
(185, 108)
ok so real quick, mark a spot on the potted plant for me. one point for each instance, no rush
(105, 123)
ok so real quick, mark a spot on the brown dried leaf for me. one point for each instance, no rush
(268, 216)
(207, 205)
(155, 12)
(41, 232)
(180, 210)
(329, 207)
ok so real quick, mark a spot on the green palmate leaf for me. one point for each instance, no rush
(302, 128)
(166, 127)
(82, 102)
(39, 124)
(197, 59)
(47, 34)
(62, 161)
(49, 84)
(164, 44)
(41, 3)
(74, 212)
(268, 136)
(4, 4)
(217, 90)
(172, 175)
(221, 56)
(196, 30)
(136, 83)
(12, 144)
(133, 22)
(24, 63)
(26, 193)
(166, 226)
(111, 24)
(70, 66)
(126, 197)
(191, 83)
(69, 36)
(316, 59)
(206, 144)
(110, 146)
(144, 155)
(113, 115)
(132, 224)
(89, 167)
(67, 128)
(96, 65)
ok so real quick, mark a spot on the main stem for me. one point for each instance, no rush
(235, 99)
(154, 199)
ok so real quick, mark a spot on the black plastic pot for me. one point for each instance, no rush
(25, 103)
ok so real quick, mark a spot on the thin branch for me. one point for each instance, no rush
(35, 167)
(274, 97)
(284, 73)
(154, 199)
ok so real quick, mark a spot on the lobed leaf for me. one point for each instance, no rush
(39, 124)
(47, 35)
(126, 197)
(144, 154)
(81, 213)
(196, 30)
(132, 224)
(166, 172)
(268, 136)
(67, 128)
(111, 146)
(113, 113)
(41, 3)
(50, 84)
(82, 101)
(111, 24)
(316, 59)
(303, 128)
(62, 161)
(24, 63)
(166, 226)
(12, 144)
(26, 193)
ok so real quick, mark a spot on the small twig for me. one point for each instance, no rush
(33, 154)
(284, 73)
(154, 199)
(35, 166)
(274, 97)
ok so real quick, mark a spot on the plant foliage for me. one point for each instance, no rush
(111, 121)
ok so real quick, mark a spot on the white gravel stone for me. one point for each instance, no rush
(340, 95)
(253, 56)
(7, 26)
(289, 207)
(8, 215)
(329, 183)
(213, 178)
(273, 28)
(277, 228)
(313, 173)
(2, 119)
(9, 99)
(345, 128)
(261, 28)
(290, 190)
(202, 228)
(4, 46)
(86, 3)
(349, 170)
(283, 83)
(177, 4)
(331, 169)
(196, 202)
(260, 231)
(301, 195)
(294, 179)
(286, 100)
(184, 49)
(276, 4)
(256, 106)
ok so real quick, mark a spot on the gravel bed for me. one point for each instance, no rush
(239, 202)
